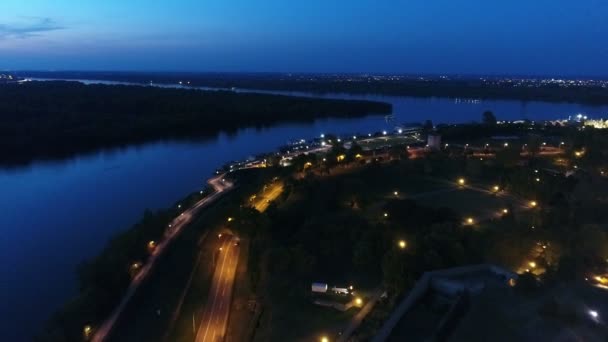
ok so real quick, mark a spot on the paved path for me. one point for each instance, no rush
(355, 322)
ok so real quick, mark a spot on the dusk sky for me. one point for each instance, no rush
(548, 37)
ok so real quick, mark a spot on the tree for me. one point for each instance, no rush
(488, 118)
(427, 126)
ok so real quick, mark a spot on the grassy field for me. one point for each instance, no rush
(374, 143)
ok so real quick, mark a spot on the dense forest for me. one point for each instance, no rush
(56, 119)
(357, 84)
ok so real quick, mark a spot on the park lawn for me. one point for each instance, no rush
(469, 203)
(288, 317)
(374, 143)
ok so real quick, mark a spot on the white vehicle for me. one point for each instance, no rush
(319, 287)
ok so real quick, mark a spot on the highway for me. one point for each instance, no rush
(214, 319)
(220, 187)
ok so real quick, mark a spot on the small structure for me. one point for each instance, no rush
(434, 141)
(319, 287)
(340, 290)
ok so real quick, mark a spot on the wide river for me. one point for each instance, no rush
(57, 214)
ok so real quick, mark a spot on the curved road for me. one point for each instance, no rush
(177, 225)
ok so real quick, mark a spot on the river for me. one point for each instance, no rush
(58, 213)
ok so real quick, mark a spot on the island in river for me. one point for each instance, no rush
(59, 119)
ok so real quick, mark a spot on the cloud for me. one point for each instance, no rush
(29, 27)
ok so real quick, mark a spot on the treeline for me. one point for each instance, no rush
(339, 84)
(57, 119)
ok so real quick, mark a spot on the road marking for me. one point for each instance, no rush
(215, 296)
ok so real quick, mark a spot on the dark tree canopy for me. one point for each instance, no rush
(488, 118)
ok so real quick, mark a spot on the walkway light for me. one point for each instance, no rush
(86, 331)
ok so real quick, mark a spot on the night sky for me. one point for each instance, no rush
(544, 37)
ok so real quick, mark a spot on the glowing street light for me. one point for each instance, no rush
(496, 188)
(460, 181)
(594, 314)
(396, 193)
(402, 244)
(532, 264)
(383, 132)
(385, 214)
(86, 331)
(533, 204)
(359, 301)
(470, 220)
(505, 211)
(506, 144)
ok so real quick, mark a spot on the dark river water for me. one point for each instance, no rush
(57, 214)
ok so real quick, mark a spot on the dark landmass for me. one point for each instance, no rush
(587, 92)
(57, 119)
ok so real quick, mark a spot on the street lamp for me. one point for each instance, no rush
(359, 301)
(402, 244)
(470, 220)
(86, 331)
(396, 193)
(461, 181)
(505, 211)
(385, 214)
(496, 188)
(594, 314)
(533, 204)
(324, 339)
